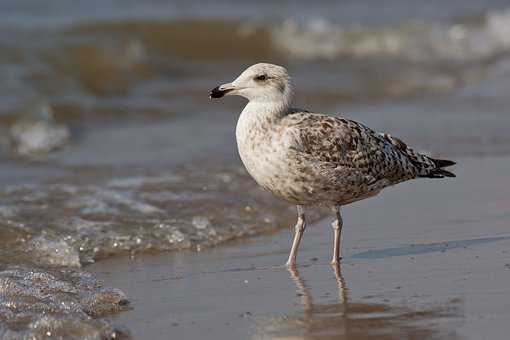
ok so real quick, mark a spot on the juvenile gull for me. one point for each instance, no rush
(310, 158)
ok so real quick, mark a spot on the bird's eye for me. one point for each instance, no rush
(261, 77)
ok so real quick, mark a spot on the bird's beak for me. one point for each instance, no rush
(222, 90)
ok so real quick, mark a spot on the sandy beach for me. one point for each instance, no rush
(414, 267)
(125, 210)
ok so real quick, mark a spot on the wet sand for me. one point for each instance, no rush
(425, 259)
(110, 146)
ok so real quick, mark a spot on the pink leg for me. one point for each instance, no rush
(298, 233)
(337, 229)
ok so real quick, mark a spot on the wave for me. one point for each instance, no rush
(41, 303)
(197, 39)
(133, 67)
(461, 40)
(413, 57)
(190, 209)
(417, 41)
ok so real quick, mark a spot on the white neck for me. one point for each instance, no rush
(265, 110)
(257, 119)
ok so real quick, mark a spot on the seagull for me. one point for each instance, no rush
(312, 158)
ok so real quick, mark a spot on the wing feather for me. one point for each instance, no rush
(348, 144)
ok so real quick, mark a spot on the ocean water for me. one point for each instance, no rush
(110, 146)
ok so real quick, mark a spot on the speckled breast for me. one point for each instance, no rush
(260, 158)
(266, 158)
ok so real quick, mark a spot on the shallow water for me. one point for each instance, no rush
(424, 260)
(110, 146)
(74, 222)
(56, 304)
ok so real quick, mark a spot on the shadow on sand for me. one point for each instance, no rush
(416, 249)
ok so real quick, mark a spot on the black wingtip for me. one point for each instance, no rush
(445, 173)
(438, 173)
(443, 163)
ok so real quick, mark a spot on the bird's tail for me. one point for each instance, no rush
(426, 166)
(438, 171)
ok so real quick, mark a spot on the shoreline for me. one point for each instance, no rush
(432, 283)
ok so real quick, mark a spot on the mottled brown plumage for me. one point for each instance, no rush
(308, 158)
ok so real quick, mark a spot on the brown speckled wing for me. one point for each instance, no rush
(351, 145)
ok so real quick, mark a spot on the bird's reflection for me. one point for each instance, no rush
(311, 310)
(304, 291)
(340, 281)
(344, 319)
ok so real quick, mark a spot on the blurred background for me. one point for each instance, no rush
(108, 137)
(126, 82)
(109, 143)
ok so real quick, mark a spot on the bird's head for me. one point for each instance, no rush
(259, 83)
